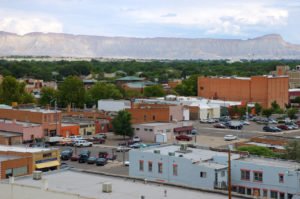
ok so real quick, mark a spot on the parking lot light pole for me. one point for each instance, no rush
(229, 171)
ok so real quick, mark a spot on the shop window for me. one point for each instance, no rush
(242, 190)
(202, 174)
(150, 166)
(274, 194)
(281, 195)
(258, 176)
(141, 165)
(249, 191)
(265, 193)
(175, 169)
(245, 175)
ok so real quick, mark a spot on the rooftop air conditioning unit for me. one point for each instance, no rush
(157, 151)
(37, 175)
(107, 187)
(183, 147)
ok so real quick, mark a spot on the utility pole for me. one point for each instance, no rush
(229, 173)
(55, 107)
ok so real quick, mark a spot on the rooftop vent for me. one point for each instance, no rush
(157, 151)
(37, 175)
(171, 153)
(107, 187)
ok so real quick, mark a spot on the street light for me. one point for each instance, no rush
(230, 147)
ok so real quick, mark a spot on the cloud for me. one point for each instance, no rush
(169, 15)
(26, 24)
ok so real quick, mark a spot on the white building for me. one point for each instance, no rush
(113, 105)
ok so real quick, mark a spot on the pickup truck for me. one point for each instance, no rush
(53, 140)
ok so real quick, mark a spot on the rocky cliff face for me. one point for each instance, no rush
(66, 45)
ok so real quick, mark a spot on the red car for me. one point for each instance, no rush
(183, 138)
(283, 127)
(220, 126)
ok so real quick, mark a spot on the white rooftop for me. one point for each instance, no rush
(24, 124)
(90, 185)
(156, 124)
(194, 155)
(23, 149)
(272, 162)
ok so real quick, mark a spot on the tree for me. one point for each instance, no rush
(132, 94)
(293, 150)
(122, 124)
(154, 91)
(72, 91)
(267, 112)
(13, 91)
(291, 112)
(104, 91)
(257, 108)
(47, 94)
(188, 86)
(276, 108)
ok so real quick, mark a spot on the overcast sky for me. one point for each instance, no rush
(154, 18)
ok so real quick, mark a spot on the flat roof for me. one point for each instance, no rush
(25, 124)
(90, 185)
(23, 149)
(155, 124)
(194, 154)
(272, 162)
(8, 157)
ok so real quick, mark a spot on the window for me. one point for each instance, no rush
(242, 190)
(281, 178)
(145, 117)
(249, 191)
(265, 193)
(141, 165)
(47, 155)
(274, 194)
(153, 117)
(137, 129)
(175, 170)
(281, 195)
(150, 166)
(168, 130)
(222, 173)
(256, 192)
(245, 175)
(202, 174)
(150, 130)
(171, 118)
(160, 167)
(258, 176)
(145, 129)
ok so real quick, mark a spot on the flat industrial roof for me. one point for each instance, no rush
(155, 124)
(9, 134)
(194, 154)
(90, 185)
(272, 162)
(25, 124)
(8, 157)
(23, 149)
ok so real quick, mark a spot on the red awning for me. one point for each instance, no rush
(183, 129)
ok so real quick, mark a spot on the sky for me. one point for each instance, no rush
(228, 19)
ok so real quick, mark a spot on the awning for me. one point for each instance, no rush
(47, 164)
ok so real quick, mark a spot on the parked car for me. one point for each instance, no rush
(220, 126)
(91, 160)
(283, 127)
(75, 137)
(66, 142)
(66, 154)
(85, 151)
(272, 121)
(103, 154)
(100, 135)
(122, 148)
(271, 129)
(101, 161)
(245, 122)
(82, 143)
(74, 158)
(95, 140)
(235, 125)
(111, 157)
(183, 138)
(126, 143)
(293, 126)
(83, 158)
(127, 163)
(136, 139)
(230, 137)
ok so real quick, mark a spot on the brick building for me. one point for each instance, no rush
(50, 120)
(143, 113)
(294, 75)
(261, 89)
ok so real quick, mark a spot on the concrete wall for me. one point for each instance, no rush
(270, 177)
(14, 191)
(149, 134)
(188, 173)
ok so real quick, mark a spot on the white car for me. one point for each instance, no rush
(123, 148)
(76, 137)
(136, 139)
(127, 163)
(82, 143)
(230, 137)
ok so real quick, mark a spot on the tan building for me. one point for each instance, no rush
(260, 89)
(294, 75)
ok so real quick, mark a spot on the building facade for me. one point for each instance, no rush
(12, 165)
(260, 89)
(204, 168)
(294, 75)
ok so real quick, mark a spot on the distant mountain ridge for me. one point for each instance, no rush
(66, 45)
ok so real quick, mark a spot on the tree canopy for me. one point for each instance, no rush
(122, 124)
(154, 91)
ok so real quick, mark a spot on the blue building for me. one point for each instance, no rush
(204, 168)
